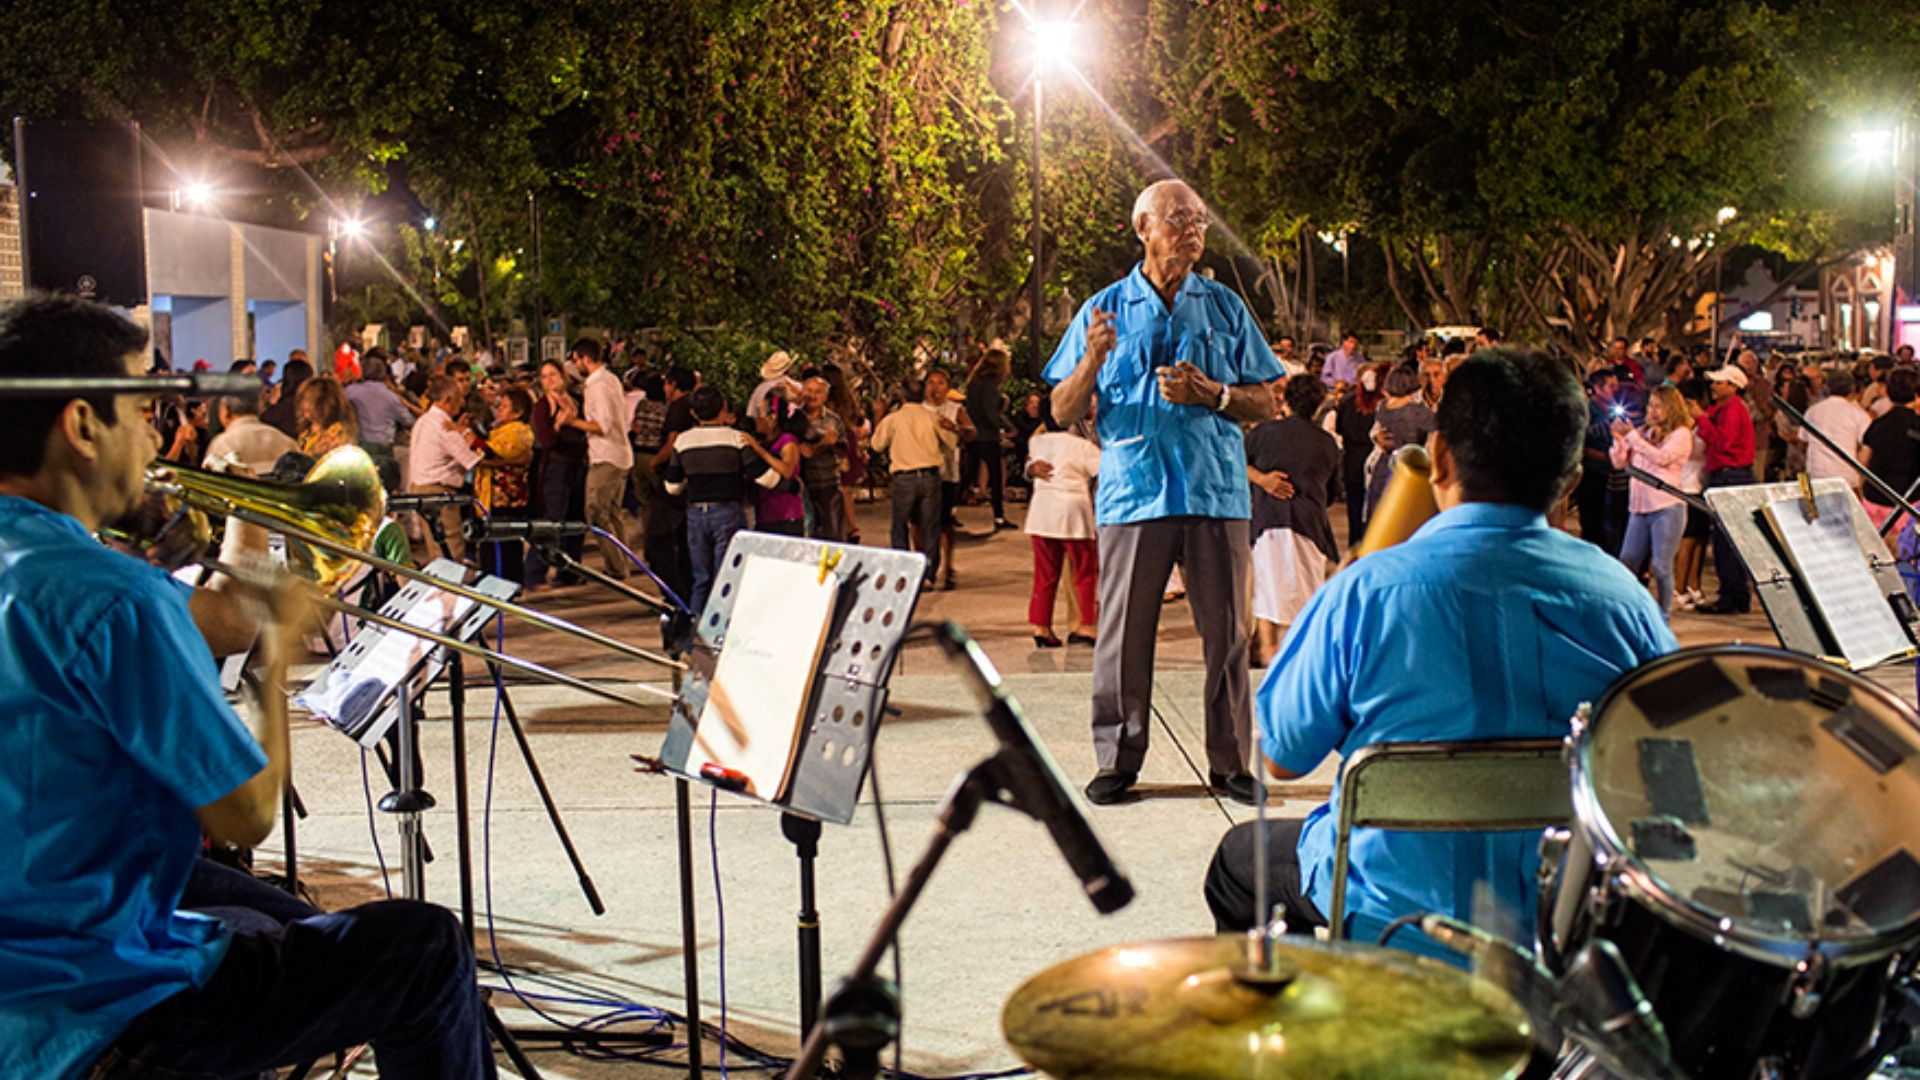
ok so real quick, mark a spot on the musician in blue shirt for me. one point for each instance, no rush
(1176, 365)
(118, 751)
(1488, 623)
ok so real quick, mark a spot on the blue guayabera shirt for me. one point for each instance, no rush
(1487, 624)
(1159, 460)
(112, 730)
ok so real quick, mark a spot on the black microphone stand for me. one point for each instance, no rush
(862, 1015)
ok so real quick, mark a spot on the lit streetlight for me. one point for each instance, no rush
(1054, 44)
(1872, 148)
(431, 223)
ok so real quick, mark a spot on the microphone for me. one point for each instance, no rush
(420, 504)
(1595, 1003)
(480, 531)
(1046, 797)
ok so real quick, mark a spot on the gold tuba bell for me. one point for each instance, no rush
(1405, 505)
(341, 498)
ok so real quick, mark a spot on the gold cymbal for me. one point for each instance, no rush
(1170, 1010)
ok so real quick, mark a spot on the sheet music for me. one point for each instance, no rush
(1830, 562)
(758, 697)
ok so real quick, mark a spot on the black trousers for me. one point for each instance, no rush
(1230, 881)
(1727, 564)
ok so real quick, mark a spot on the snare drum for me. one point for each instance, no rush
(1747, 833)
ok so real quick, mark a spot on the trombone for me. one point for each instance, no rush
(335, 512)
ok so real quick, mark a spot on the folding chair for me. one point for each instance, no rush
(1482, 785)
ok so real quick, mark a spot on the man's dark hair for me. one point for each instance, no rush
(654, 385)
(1902, 382)
(811, 371)
(458, 367)
(707, 403)
(56, 335)
(682, 379)
(1514, 420)
(1304, 396)
(240, 366)
(1493, 336)
(244, 404)
(1455, 346)
(587, 349)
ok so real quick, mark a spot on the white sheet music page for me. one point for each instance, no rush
(1828, 557)
(758, 697)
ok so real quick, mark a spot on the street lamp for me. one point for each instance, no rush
(1054, 44)
(1872, 148)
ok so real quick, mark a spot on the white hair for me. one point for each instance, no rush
(1149, 195)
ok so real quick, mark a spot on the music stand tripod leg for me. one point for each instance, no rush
(559, 824)
(689, 948)
(805, 834)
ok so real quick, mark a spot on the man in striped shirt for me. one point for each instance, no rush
(715, 467)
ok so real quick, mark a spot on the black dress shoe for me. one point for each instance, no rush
(1238, 787)
(1718, 608)
(1111, 787)
(1082, 639)
(1045, 641)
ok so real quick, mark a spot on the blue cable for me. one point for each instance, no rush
(366, 788)
(678, 603)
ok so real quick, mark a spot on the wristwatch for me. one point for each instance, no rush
(1226, 397)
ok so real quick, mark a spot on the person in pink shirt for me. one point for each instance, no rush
(1655, 518)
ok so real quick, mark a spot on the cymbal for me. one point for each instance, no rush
(1169, 1010)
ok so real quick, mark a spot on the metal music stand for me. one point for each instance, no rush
(878, 591)
(1783, 594)
(365, 707)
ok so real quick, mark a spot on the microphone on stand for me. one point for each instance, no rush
(1046, 798)
(1596, 1003)
(478, 531)
(421, 504)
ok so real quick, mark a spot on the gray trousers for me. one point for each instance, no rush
(1134, 563)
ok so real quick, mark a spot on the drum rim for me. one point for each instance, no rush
(1617, 863)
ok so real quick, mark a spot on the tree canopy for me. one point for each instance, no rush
(851, 176)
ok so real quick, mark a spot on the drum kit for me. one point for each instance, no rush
(1737, 896)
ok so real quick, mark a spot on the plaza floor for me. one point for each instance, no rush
(1002, 907)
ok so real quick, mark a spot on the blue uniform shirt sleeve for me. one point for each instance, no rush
(1073, 346)
(1256, 362)
(158, 688)
(1302, 703)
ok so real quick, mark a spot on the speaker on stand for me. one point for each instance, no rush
(81, 196)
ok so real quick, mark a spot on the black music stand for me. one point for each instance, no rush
(1783, 593)
(878, 591)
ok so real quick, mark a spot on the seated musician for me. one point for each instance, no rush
(1487, 624)
(118, 751)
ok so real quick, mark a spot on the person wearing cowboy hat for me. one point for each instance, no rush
(1727, 429)
(774, 378)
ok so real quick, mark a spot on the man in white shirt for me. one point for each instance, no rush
(244, 440)
(1840, 418)
(609, 452)
(442, 453)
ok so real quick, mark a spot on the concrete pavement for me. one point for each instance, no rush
(1002, 907)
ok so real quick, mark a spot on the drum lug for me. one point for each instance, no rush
(1803, 994)
(1582, 716)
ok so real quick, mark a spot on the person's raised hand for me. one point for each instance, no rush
(1101, 336)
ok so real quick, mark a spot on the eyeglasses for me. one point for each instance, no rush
(1182, 220)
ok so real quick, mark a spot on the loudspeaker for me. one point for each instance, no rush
(81, 229)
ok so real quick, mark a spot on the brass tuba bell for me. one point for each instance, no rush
(341, 498)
